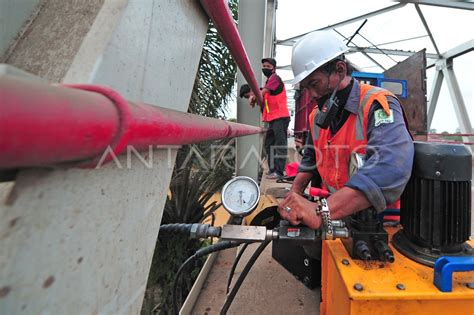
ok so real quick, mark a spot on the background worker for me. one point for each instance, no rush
(275, 113)
(366, 120)
(246, 92)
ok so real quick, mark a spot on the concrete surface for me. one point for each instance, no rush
(268, 288)
(14, 15)
(52, 41)
(252, 22)
(81, 241)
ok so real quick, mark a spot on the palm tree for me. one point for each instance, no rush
(216, 75)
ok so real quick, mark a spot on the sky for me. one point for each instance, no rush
(450, 27)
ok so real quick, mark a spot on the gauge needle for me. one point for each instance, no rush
(240, 196)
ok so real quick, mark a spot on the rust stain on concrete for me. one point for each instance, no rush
(4, 291)
(48, 282)
(13, 222)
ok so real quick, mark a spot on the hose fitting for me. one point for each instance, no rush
(194, 230)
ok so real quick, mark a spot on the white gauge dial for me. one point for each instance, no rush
(240, 196)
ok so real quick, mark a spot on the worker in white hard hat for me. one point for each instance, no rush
(351, 119)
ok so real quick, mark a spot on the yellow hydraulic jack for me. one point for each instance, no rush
(402, 287)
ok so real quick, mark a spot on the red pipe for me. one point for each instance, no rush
(42, 124)
(219, 12)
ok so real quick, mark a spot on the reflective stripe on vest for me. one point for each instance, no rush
(276, 106)
(333, 151)
(315, 130)
(360, 114)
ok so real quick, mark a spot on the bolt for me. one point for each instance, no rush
(438, 173)
(400, 286)
(307, 280)
(358, 287)
(345, 262)
(470, 285)
(306, 262)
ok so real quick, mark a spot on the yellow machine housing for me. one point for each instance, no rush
(403, 287)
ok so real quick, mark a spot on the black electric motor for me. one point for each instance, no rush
(435, 209)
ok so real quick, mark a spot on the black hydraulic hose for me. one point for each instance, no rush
(234, 265)
(175, 283)
(195, 230)
(242, 277)
(200, 253)
(175, 228)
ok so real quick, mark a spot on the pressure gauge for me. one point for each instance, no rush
(240, 196)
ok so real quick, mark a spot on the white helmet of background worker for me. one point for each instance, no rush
(314, 50)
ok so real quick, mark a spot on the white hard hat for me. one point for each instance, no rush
(314, 50)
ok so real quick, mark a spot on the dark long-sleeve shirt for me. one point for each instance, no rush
(386, 172)
(274, 84)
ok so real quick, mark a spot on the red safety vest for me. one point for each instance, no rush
(275, 106)
(333, 152)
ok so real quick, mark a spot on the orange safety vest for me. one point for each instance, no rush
(275, 106)
(333, 152)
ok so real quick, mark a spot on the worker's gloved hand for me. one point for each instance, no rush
(296, 209)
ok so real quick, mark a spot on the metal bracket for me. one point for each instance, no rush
(444, 268)
(243, 233)
(441, 64)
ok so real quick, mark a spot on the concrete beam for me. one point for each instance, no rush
(252, 24)
(270, 28)
(81, 241)
(14, 18)
(50, 43)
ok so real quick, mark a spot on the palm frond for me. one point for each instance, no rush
(216, 75)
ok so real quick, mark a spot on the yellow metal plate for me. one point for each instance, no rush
(266, 202)
(221, 215)
(379, 280)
